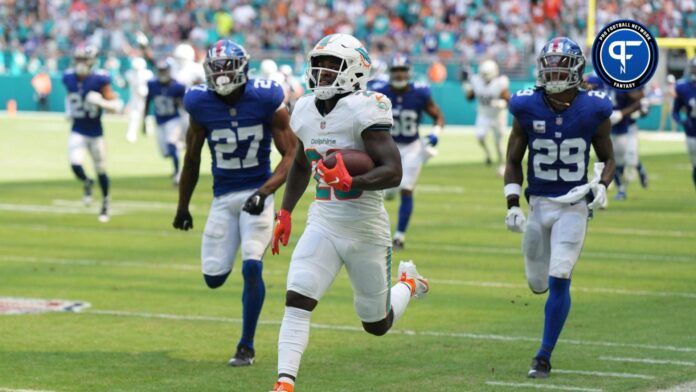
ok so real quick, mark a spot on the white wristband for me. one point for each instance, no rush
(512, 189)
(437, 130)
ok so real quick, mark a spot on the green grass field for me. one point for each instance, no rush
(154, 326)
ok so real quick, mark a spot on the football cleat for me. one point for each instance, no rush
(104, 212)
(243, 357)
(488, 161)
(643, 175)
(620, 196)
(541, 368)
(283, 387)
(409, 275)
(87, 192)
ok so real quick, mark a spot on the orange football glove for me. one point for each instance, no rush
(337, 177)
(282, 230)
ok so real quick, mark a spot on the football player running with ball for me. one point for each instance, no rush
(238, 117)
(347, 223)
(686, 100)
(557, 123)
(409, 101)
(89, 93)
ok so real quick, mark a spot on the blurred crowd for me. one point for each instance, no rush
(39, 35)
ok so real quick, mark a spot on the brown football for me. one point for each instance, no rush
(356, 161)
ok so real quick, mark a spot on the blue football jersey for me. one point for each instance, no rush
(622, 100)
(239, 136)
(167, 98)
(86, 117)
(407, 110)
(558, 143)
(686, 98)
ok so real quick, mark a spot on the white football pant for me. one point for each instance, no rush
(79, 145)
(169, 133)
(228, 227)
(318, 258)
(553, 240)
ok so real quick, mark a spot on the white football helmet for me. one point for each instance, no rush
(138, 63)
(268, 67)
(489, 70)
(184, 53)
(351, 75)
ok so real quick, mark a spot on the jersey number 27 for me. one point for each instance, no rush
(255, 133)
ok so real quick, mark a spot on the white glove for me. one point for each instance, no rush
(95, 98)
(499, 104)
(515, 220)
(600, 197)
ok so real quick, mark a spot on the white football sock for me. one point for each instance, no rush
(293, 338)
(400, 297)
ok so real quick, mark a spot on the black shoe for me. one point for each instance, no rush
(489, 162)
(243, 357)
(104, 212)
(643, 178)
(398, 245)
(87, 192)
(541, 368)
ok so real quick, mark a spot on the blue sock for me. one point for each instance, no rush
(104, 184)
(405, 210)
(79, 172)
(556, 311)
(174, 154)
(618, 174)
(252, 300)
(215, 281)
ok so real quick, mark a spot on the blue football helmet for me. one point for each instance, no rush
(226, 67)
(561, 65)
(84, 59)
(399, 63)
(164, 70)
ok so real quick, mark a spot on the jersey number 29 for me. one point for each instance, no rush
(569, 152)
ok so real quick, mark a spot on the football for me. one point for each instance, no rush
(356, 161)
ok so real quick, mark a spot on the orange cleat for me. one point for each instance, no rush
(283, 387)
(409, 275)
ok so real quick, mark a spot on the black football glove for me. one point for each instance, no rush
(183, 220)
(254, 204)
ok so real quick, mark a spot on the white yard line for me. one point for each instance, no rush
(604, 374)
(462, 335)
(686, 387)
(650, 361)
(195, 267)
(22, 390)
(518, 252)
(541, 386)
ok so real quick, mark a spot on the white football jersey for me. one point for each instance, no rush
(137, 82)
(487, 92)
(189, 73)
(358, 215)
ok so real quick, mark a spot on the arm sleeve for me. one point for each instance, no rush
(605, 108)
(190, 103)
(514, 104)
(373, 109)
(277, 98)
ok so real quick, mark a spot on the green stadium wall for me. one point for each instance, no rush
(448, 95)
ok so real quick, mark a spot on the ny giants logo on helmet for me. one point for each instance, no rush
(625, 55)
